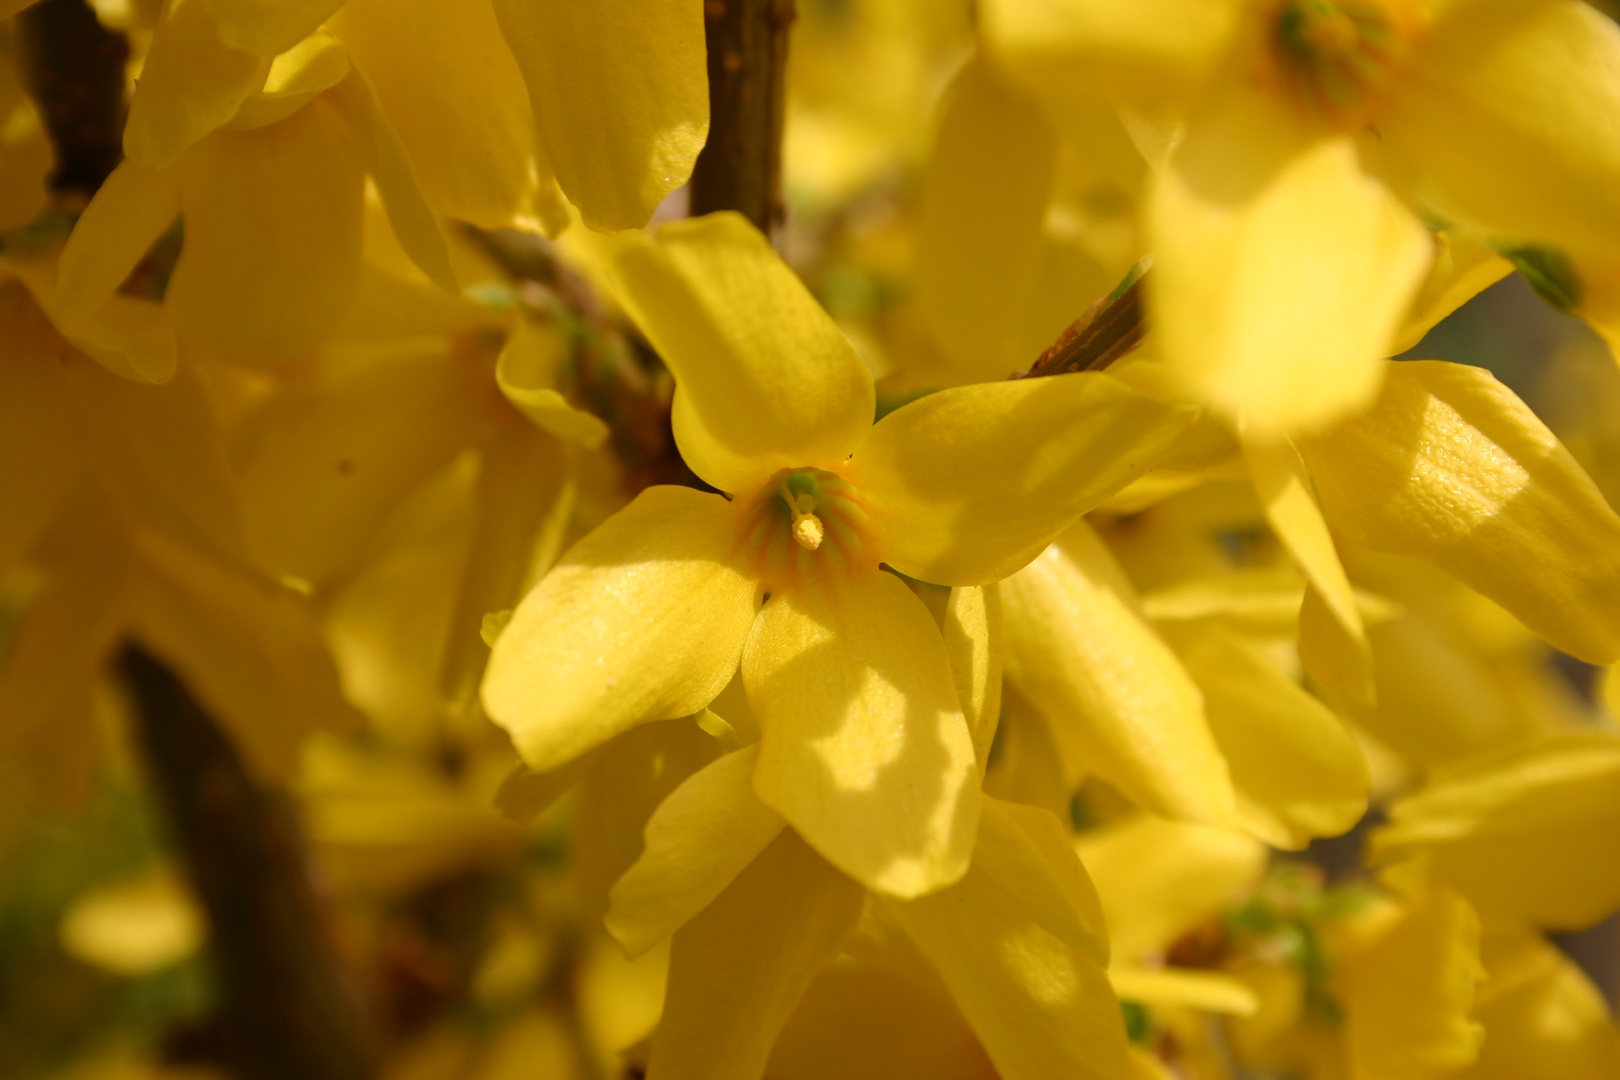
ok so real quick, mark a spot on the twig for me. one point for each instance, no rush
(740, 167)
(1109, 329)
(285, 1008)
(73, 68)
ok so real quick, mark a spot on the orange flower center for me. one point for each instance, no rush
(803, 522)
(1334, 56)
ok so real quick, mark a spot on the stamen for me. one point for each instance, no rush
(807, 528)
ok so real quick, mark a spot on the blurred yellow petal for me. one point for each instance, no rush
(698, 840)
(1117, 699)
(620, 95)
(1143, 51)
(1464, 266)
(289, 193)
(863, 747)
(1451, 467)
(1542, 1015)
(1507, 113)
(1410, 994)
(1529, 834)
(134, 926)
(1025, 973)
(764, 378)
(969, 484)
(409, 216)
(644, 619)
(1205, 990)
(313, 66)
(972, 631)
(527, 372)
(1282, 269)
(190, 84)
(38, 459)
(1298, 773)
(447, 81)
(1161, 879)
(1334, 649)
(130, 211)
(738, 969)
(267, 27)
(979, 243)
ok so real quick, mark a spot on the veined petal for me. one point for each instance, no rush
(643, 619)
(1530, 834)
(698, 840)
(1145, 51)
(1118, 701)
(764, 379)
(1507, 115)
(972, 631)
(1298, 772)
(1335, 649)
(863, 747)
(1410, 994)
(290, 193)
(1451, 467)
(1021, 967)
(620, 93)
(737, 970)
(267, 27)
(190, 84)
(449, 84)
(967, 485)
(979, 244)
(128, 212)
(1282, 269)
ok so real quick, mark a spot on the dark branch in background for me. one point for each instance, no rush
(1109, 329)
(740, 167)
(284, 1010)
(73, 68)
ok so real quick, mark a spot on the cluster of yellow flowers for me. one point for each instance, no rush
(683, 648)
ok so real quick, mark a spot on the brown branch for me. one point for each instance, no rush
(740, 167)
(73, 68)
(1109, 329)
(285, 1008)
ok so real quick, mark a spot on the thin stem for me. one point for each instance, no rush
(1108, 330)
(740, 167)
(73, 68)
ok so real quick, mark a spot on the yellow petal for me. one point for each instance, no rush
(413, 223)
(1022, 969)
(863, 747)
(1507, 118)
(1205, 990)
(267, 27)
(1542, 1015)
(1144, 51)
(1118, 701)
(644, 619)
(134, 926)
(1410, 994)
(1529, 834)
(620, 94)
(1161, 879)
(972, 631)
(1299, 774)
(698, 840)
(190, 84)
(764, 380)
(38, 458)
(527, 373)
(291, 194)
(130, 211)
(1334, 648)
(313, 66)
(737, 970)
(1464, 266)
(1282, 269)
(979, 244)
(1451, 467)
(449, 84)
(967, 485)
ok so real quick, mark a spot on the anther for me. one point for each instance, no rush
(807, 528)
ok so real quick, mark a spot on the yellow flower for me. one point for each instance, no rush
(864, 748)
(1302, 142)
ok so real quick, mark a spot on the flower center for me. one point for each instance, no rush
(1333, 56)
(802, 521)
